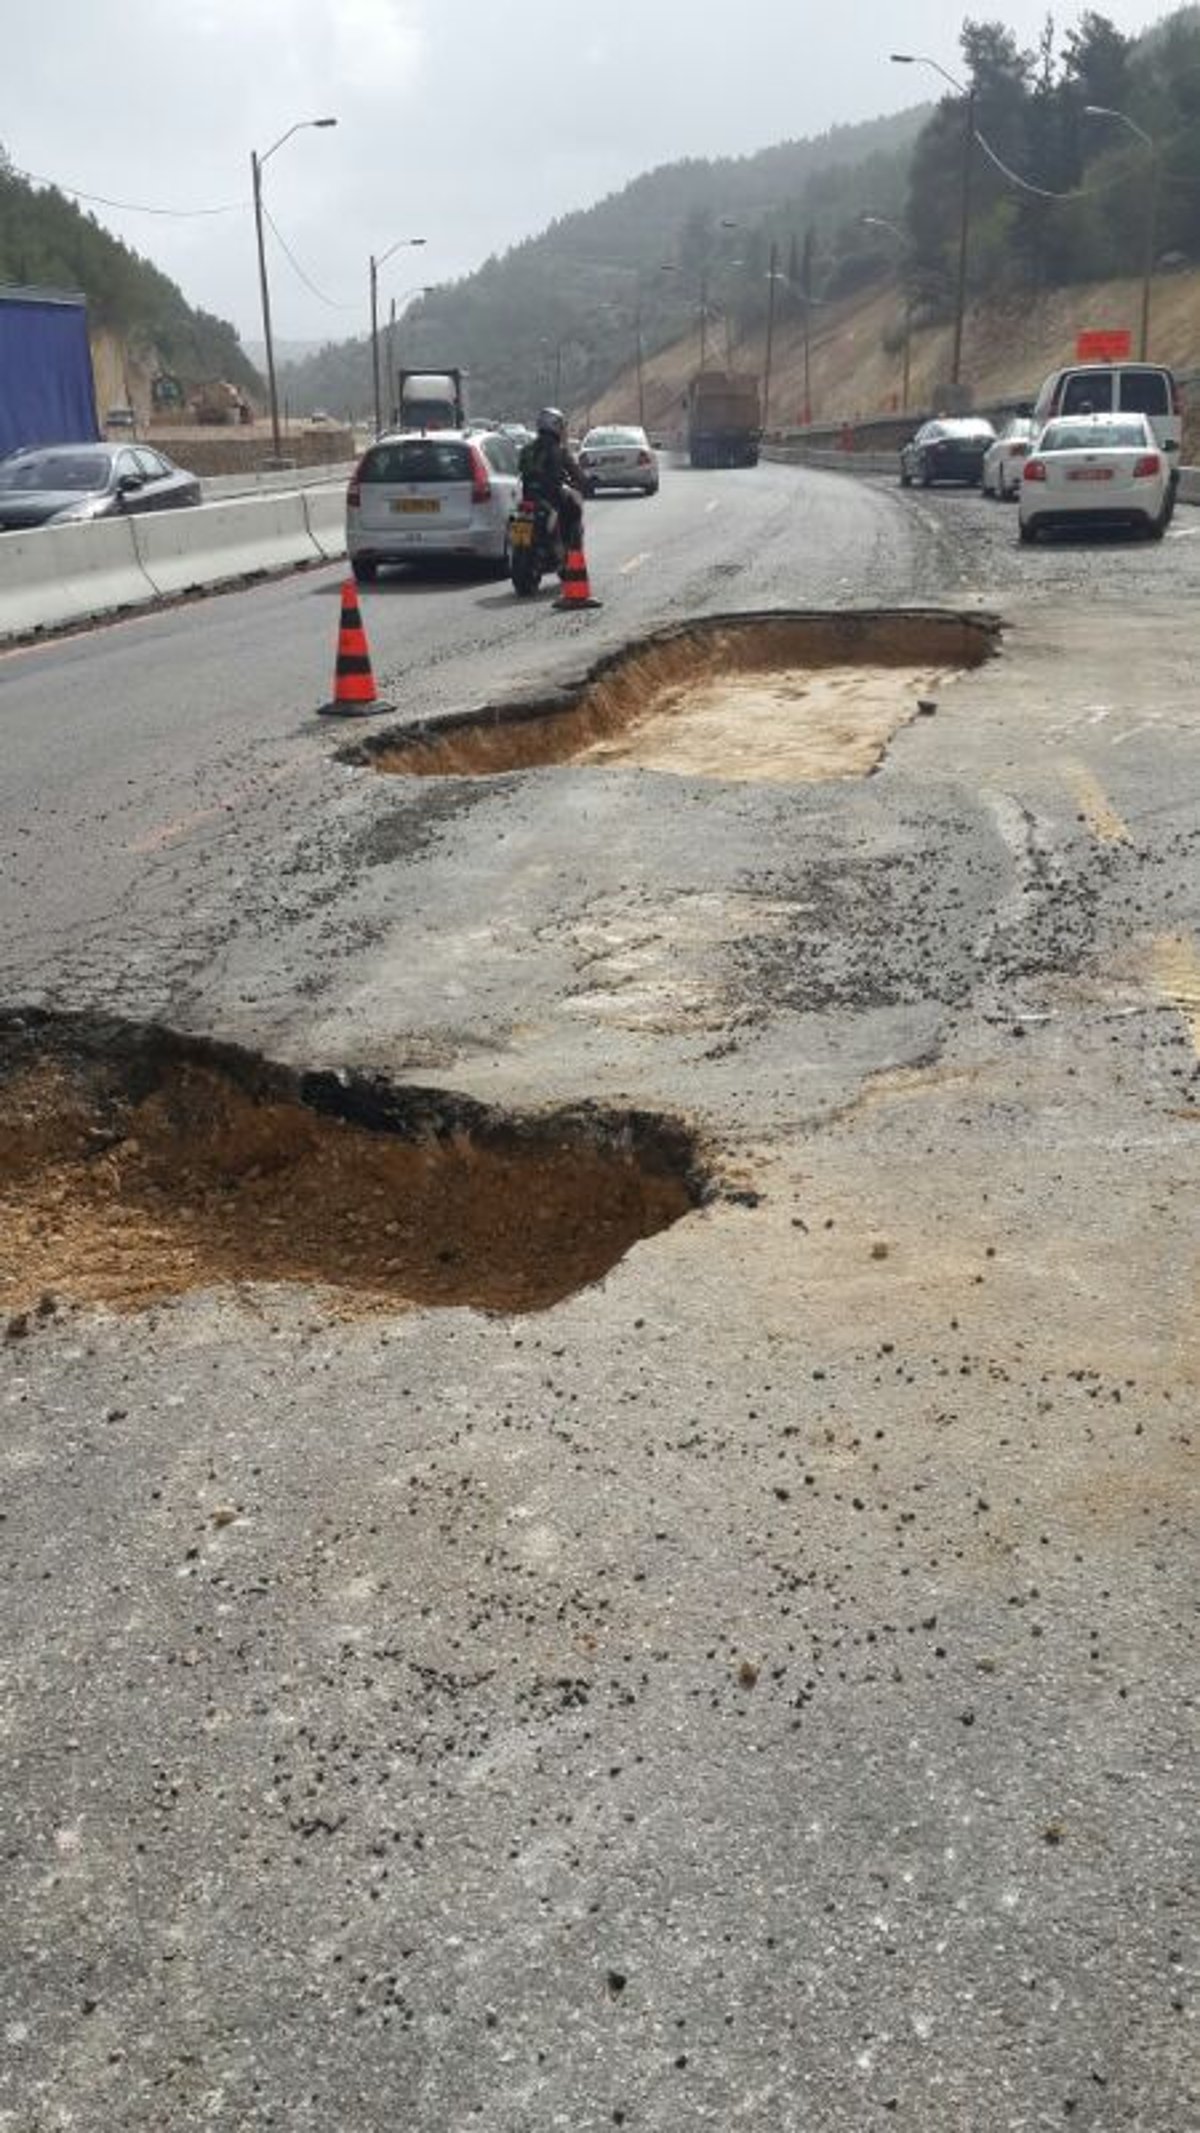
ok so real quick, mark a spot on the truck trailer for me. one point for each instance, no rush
(47, 388)
(724, 419)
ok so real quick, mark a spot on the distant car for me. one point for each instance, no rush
(54, 484)
(120, 418)
(418, 498)
(1096, 469)
(950, 449)
(619, 456)
(319, 418)
(1003, 460)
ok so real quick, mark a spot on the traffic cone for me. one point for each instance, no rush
(576, 591)
(353, 682)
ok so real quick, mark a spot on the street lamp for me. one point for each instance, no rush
(1103, 111)
(726, 223)
(256, 170)
(401, 244)
(919, 59)
(880, 222)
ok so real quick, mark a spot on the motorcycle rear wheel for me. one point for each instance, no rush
(526, 577)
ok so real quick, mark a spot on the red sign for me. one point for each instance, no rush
(1111, 344)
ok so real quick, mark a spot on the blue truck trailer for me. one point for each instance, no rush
(47, 389)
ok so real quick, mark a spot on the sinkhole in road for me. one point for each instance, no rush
(782, 696)
(137, 1164)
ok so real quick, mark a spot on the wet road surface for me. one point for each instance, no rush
(755, 1691)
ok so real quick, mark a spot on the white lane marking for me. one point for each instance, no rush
(712, 503)
(635, 563)
(1183, 533)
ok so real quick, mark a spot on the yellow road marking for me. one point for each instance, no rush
(1175, 967)
(1094, 804)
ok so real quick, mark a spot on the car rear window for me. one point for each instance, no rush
(417, 459)
(611, 437)
(1097, 437)
(1144, 392)
(1087, 393)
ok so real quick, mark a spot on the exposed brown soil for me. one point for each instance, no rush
(785, 697)
(125, 1178)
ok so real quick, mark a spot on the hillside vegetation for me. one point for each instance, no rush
(46, 241)
(1061, 197)
(556, 316)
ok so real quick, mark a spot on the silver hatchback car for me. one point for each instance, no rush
(421, 497)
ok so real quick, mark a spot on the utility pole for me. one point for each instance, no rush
(772, 278)
(256, 177)
(703, 317)
(807, 293)
(960, 302)
(641, 376)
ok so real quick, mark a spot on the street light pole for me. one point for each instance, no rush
(920, 59)
(1150, 246)
(880, 222)
(257, 163)
(401, 244)
(772, 278)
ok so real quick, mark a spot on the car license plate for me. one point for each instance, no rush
(415, 503)
(1089, 474)
(522, 533)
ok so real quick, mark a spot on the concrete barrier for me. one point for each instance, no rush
(325, 510)
(216, 488)
(58, 574)
(181, 551)
(1189, 485)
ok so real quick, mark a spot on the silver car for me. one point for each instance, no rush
(423, 498)
(618, 457)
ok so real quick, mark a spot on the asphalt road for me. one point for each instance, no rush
(755, 1692)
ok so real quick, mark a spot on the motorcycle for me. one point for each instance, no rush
(535, 545)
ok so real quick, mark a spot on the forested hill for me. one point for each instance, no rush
(46, 241)
(555, 315)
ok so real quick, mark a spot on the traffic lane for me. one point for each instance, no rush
(138, 751)
(979, 537)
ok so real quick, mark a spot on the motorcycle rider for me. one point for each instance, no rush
(551, 474)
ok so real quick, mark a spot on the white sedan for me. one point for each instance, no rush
(618, 457)
(1003, 461)
(1096, 470)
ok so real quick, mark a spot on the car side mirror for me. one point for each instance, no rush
(129, 482)
(1171, 445)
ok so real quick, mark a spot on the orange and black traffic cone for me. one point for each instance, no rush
(353, 682)
(576, 591)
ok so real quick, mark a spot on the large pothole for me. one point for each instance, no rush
(765, 697)
(136, 1164)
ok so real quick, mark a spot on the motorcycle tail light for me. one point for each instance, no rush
(1035, 470)
(1149, 464)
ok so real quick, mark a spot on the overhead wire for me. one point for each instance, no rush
(130, 207)
(296, 267)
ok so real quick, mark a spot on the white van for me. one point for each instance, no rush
(1118, 389)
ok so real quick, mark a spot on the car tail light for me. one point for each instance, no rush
(1148, 465)
(481, 486)
(1176, 400)
(354, 490)
(1035, 470)
(1020, 451)
(644, 459)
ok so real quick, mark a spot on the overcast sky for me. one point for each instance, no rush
(469, 122)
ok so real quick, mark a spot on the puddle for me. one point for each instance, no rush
(777, 697)
(136, 1165)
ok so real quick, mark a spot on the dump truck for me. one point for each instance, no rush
(724, 425)
(217, 402)
(430, 400)
(47, 391)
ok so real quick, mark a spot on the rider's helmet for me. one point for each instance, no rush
(552, 423)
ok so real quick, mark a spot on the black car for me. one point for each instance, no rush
(55, 484)
(950, 449)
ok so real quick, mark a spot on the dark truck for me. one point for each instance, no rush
(724, 419)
